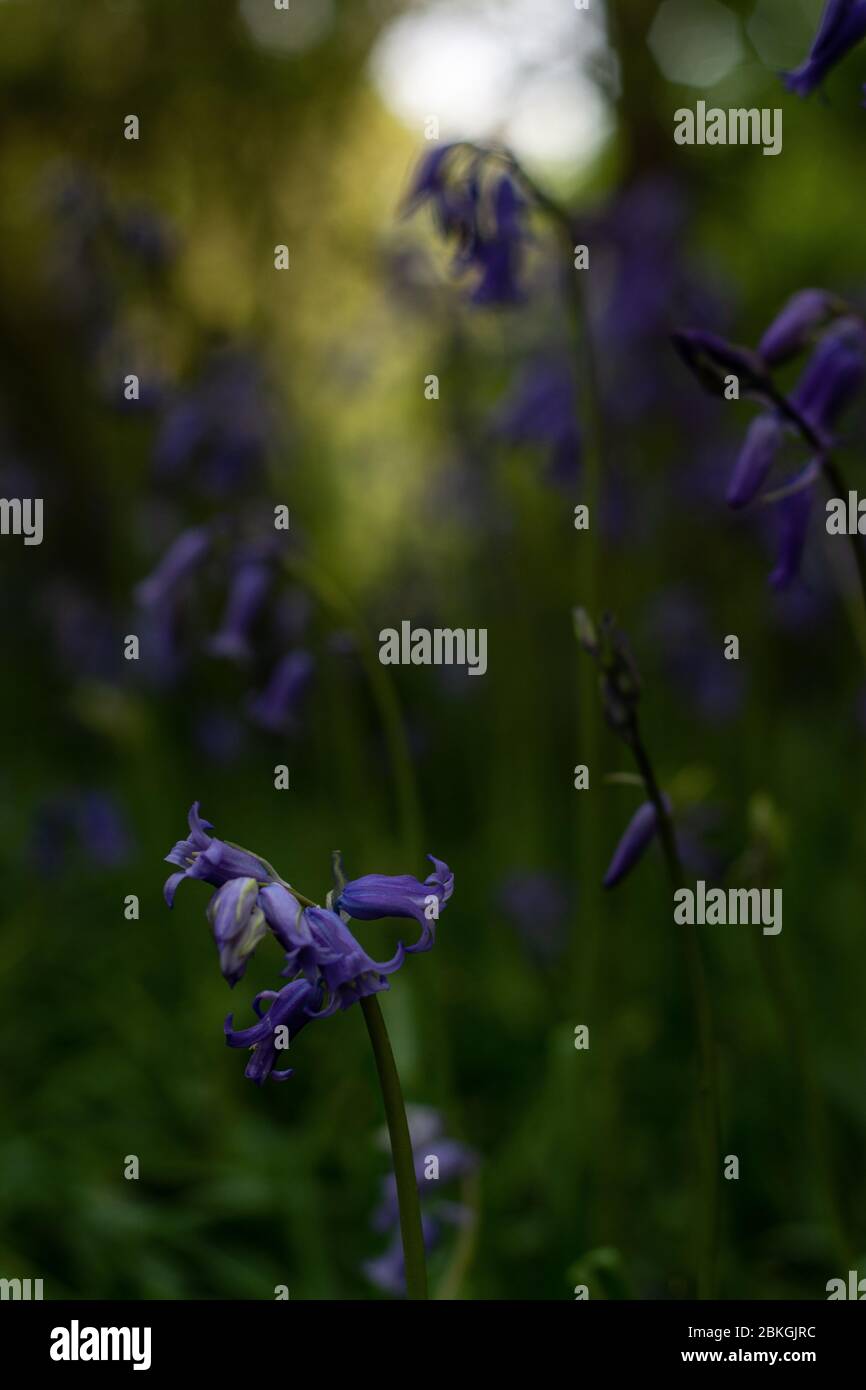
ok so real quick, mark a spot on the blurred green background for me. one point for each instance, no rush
(156, 256)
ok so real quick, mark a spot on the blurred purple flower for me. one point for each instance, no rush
(476, 202)
(833, 375)
(217, 430)
(843, 24)
(542, 409)
(794, 327)
(276, 708)
(757, 456)
(793, 514)
(453, 1161)
(636, 839)
(249, 588)
(680, 628)
(89, 821)
(184, 556)
(536, 904)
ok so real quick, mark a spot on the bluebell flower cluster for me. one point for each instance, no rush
(193, 567)
(834, 335)
(478, 206)
(842, 26)
(454, 1161)
(326, 966)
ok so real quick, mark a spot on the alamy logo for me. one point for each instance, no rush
(444, 646)
(738, 126)
(737, 907)
(855, 1288)
(22, 516)
(75, 1343)
(20, 1288)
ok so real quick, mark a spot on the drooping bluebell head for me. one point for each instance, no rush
(213, 861)
(291, 1009)
(637, 837)
(327, 968)
(757, 456)
(382, 895)
(476, 201)
(238, 924)
(843, 24)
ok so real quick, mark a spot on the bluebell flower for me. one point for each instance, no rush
(184, 556)
(430, 182)
(321, 954)
(387, 1272)
(454, 1161)
(536, 904)
(238, 924)
(214, 861)
(843, 24)
(757, 456)
(219, 428)
(249, 588)
(686, 638)
(794, 513)
(793, 328)
(498, 251)
(541, 408)
(383, 895)
(833, 376)
(637, 837)
(344, 967)
(87, 820)
(477, 203)
(292, 1008)
(276, 707)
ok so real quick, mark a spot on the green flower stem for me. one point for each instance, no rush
(708, 1085)
(401, 1149)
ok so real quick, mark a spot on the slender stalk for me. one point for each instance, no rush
(408, 1201)
(708, 1084)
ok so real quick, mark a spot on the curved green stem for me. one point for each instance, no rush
(411, 1231)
